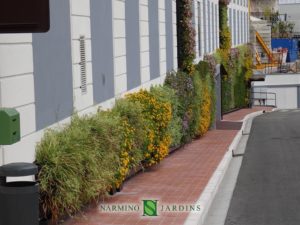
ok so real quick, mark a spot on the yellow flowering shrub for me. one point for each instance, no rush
(126, 159)
(132, 137)
(158, 115)
(205, 111)
(204, 98)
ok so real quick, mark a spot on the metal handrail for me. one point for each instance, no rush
(263, 101)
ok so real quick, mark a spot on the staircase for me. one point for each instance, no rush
(264, 46)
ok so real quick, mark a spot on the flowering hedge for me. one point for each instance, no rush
(132, 136)
(93, 154)
(158, 114)
(85, 159)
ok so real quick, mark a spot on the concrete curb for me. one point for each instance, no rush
(207, 196)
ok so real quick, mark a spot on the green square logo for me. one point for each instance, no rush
(150, 207)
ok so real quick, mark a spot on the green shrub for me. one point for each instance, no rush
(158, 115)
(186, 39)
(225, 35)
(77, 163)
(183, 85)
(168, 95)
(236, 70)
(197, 103)
(204, 106)
(84, 159)
(133, 135)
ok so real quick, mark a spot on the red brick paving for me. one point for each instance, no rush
(240, 114)
(179, 179)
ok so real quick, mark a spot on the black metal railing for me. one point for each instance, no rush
(263, 99)
(277, 64)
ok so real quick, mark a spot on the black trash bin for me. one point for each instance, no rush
(19, 201)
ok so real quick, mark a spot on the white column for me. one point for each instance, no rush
(174, 34)
(119, 35)
(81, 27)
(162, 37)
(144, 42)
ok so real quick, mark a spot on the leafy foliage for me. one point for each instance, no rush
(77, 163)
(186, 37)
(168, 95)
(225, 35)
(183, 85)
(132, 128)
(158, 115)
(236, 70)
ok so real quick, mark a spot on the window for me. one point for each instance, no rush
(199, 27)
(205, 26)
(234, 30)
(216, 25)
(213, 26)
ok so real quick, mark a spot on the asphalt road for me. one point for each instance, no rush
(268, 185)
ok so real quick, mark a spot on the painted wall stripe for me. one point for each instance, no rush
(132, 44)
(102, 50)
(154, 39)
(53, 68)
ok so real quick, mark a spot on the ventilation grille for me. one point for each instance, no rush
(82, 65)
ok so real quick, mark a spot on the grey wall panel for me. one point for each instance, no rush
(53, 68)
(133, 60)
(169, 35)
(102, 50)
(154, 39)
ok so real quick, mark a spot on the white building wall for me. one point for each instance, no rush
(284, 86)
(286, 97)
(174, 18)
(17, 89)
(291, 9)
(81, 26)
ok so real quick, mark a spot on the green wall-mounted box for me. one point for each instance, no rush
(9, 126)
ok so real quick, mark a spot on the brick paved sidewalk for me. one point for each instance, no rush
(240, 114)
(179, 179)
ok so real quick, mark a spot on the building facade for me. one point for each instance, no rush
(289, 10)
(239, 19)
(97, 51)
(206, 24)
